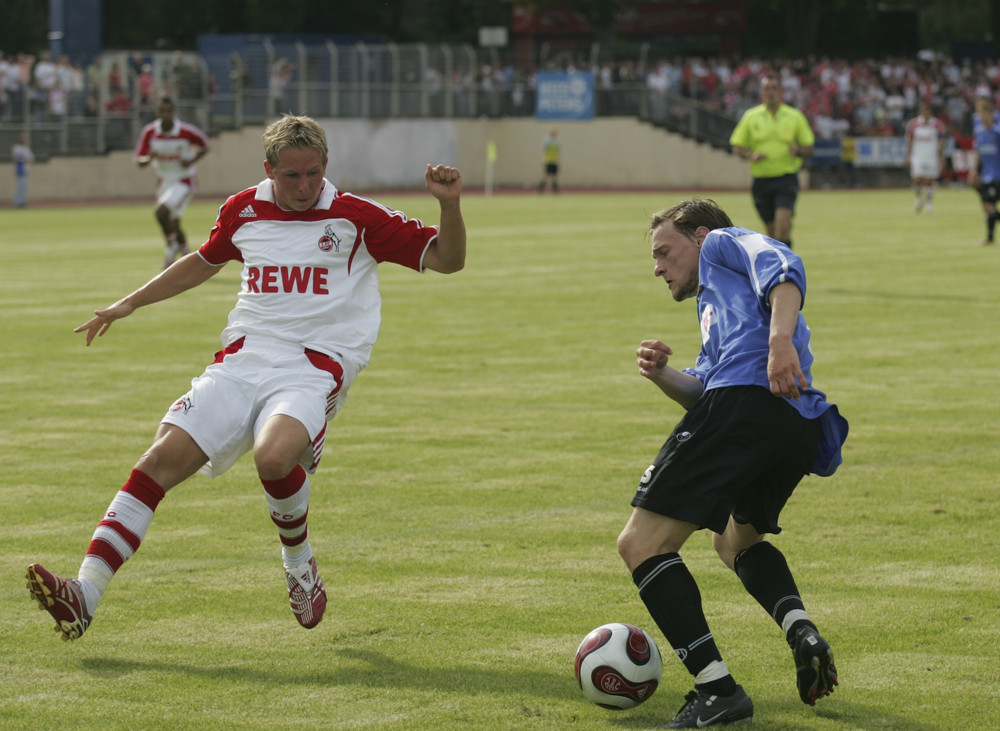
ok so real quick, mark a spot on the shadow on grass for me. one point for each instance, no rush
(849, 714)
(363, 668)
(376, 670)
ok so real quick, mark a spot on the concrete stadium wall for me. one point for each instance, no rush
(367, 156)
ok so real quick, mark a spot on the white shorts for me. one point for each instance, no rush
(175, 195)
(925, 167)
(252, 380)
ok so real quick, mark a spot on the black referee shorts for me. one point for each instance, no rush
(770, 194)
(739, 451)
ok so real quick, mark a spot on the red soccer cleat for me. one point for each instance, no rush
(62, 598)
(306, 594)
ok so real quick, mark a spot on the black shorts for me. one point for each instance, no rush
(989, 192)
(551, 168)
(770, 194)
(739, 451)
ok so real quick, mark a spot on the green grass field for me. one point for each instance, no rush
(472, 489)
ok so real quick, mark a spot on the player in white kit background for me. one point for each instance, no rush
(173, 146)
(306, 318)
(925, 143)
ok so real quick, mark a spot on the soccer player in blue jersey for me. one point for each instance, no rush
(984, 164)
(754, 427)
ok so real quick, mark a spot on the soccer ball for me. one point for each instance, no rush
(618, 666)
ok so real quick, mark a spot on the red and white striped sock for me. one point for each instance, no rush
(288, 499)
(119, 534)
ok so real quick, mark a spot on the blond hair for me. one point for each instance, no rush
(291, 131)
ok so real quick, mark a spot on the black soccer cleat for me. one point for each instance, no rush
(816, 675)
(702, 709)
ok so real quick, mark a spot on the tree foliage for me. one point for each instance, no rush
(789, 28)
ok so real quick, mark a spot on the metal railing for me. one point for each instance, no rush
(219, 91)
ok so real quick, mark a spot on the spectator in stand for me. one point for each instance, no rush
(119, 105)
(10, 82)
(57, 101)
(895, 107)
(925, 140)
(281, 75)
(146, 84)
(45, 76)
(115, 82)
(776, 138)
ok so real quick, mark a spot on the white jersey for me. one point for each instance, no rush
(174, 149)
(311, 277)
(925, 138)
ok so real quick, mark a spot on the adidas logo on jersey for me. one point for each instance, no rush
(248, 212)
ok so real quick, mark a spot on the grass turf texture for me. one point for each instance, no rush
(466, 511)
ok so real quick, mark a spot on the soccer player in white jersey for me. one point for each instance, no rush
(925, 144)
(306, 318)
(754, 427)
(173, 147)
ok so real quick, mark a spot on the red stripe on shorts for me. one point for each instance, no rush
(233, 347)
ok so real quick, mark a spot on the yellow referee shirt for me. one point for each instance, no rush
(760, 131)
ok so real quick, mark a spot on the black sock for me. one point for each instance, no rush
(672, 597)
(991, 222)
(765, 575)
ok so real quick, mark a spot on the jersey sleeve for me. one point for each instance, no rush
(805, 136)
(220, 248)
(765, 262)
(741, 136)
(391, 236)
(700, 368)
(142, 146)
(196, 137)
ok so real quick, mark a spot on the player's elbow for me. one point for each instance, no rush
(452, 265)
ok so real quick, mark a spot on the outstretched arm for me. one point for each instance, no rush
(446, 253)
(184, 274)
(652, 357)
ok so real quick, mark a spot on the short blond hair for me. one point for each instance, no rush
(291, 131)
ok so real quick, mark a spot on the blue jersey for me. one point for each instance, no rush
(738, 268)
(986, 143)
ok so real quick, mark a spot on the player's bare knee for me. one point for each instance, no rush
(272, 464)
(634, 548)
(625, 547)
(727, 556)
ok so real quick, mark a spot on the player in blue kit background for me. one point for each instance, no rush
(304, 324)
(754, 427)
(984, 164)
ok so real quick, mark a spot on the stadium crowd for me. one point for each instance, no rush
(866, 97)
(841, 97)
(46, 88)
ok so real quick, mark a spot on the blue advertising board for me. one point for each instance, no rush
(565, 95)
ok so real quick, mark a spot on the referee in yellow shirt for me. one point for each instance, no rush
(776, 139)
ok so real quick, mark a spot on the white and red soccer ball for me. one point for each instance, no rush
(618, 666)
